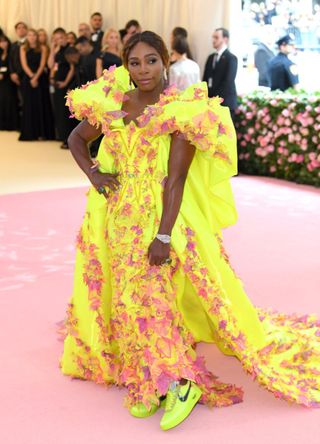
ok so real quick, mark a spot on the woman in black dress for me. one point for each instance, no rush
(110, 54)
(43, 39)
(37, 117)
(9, 118)
(61, 75)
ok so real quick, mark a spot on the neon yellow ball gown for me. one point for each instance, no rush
(136, 326)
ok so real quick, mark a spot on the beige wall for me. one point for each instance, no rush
(200, 17)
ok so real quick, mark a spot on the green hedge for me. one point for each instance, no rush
(279, 135)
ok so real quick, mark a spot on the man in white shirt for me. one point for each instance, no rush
(97, 33)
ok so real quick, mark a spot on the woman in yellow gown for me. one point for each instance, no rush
(141, 304)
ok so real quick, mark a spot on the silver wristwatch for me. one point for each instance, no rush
(164, 238)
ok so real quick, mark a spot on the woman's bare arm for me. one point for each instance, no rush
(43, 62)
(78, 144)
(181, 155)
(53, 51)
(99, 68)
(24, 63)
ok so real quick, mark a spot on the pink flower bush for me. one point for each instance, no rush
(279, 135)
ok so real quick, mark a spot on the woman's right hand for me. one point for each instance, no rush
(34, 82)
(104, 180)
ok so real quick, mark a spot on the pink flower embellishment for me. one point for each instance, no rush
(143, 325)
(106, 89)
(144, 119)
(189, 232)
(202, 292)
(137, 229)
(95, 303)
(170, 90)
(222, 129)
(191, 246)
(118, 114)
(167, 125)
(198, 136)
(144, 141)
(163, 382)
(212, 117)
(198, 93)
(118, 96)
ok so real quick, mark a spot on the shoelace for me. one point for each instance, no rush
(172, 396)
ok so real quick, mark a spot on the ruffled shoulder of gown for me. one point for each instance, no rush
(202, 121)
(100, 101)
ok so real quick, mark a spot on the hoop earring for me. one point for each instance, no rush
(131, 84)
(165, 78)
(165, 75)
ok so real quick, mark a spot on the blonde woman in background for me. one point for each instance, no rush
(43, 40)
(37, 117)
(43, 37)
(111, 50)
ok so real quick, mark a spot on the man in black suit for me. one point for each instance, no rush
(97, 34)
(14, 60)
(221, 69)
(15, 67)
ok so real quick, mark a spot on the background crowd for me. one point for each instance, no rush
(36, 71)
(286, 17)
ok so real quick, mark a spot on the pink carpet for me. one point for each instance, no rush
(274, 247)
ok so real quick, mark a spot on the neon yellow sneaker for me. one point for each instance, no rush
(180, 401)
(139, 410)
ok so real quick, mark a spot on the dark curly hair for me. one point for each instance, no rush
(149, 38)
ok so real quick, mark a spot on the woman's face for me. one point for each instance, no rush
(4, 45)
(32, 38)
(113, 40)
(145, 67)
(60, 39)
(71, 39)
(42, 37)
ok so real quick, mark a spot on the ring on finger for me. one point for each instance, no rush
(101, 190)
